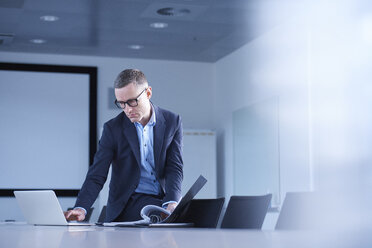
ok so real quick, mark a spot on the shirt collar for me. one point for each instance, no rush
(152, 120)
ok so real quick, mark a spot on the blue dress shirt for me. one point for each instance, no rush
(148, 183)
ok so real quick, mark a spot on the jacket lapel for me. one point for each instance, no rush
(159, 131)
(130, 133)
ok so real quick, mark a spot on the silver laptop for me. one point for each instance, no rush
(41, 207)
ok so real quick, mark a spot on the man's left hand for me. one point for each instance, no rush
(171, 206)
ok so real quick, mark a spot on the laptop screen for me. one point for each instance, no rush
(190, 194)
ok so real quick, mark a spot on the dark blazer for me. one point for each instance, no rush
(119, 146)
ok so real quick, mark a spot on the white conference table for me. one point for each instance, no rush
(28, 236)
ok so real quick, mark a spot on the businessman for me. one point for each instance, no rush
(144, 146)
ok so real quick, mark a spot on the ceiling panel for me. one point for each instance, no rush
(197, 30)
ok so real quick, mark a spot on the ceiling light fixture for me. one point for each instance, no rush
(159, 25)
(38, 41)
(49, 18)
(135, 47)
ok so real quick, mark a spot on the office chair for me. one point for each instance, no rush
(246, 212)
(88, 215)
(298, 211)
(204, 213)
(102, 215)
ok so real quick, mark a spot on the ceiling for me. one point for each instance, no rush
(197, 30)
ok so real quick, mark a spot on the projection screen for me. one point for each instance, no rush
(48, 126)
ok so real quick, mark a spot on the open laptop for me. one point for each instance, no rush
(190, 194)
(180, 210)
(41, 207)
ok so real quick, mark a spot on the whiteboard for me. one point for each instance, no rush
(256, 150)
(45, 128)
(199, 158)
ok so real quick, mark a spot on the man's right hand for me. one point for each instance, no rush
(75, 214)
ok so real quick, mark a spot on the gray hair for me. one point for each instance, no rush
(130, 76)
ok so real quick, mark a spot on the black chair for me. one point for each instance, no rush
(204, 213)
(298, 211)
(88, 215)
(102, 215)
(246, 212)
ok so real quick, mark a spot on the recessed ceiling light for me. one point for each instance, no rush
(159, 25)
(135, 47)
(49, 18)
(38, 41)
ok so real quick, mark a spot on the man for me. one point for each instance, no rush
(144, 145)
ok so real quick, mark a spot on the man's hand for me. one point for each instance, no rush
(171, 206)
(75, 214)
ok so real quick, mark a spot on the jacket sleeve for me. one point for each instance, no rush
(97, 173)
(174, 165)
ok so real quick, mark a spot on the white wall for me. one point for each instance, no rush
(341, 100)
(274, 64)
(316, 61)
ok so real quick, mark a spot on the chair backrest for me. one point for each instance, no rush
(246, 212)
(298, 211)
(88, 215)
(102, 215)
(204, 213)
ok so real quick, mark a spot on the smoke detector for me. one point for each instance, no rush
(173, 11)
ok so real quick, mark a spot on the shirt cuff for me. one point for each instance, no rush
(85, 211)
(165, 205)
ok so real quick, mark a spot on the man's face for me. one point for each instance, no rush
(140, 113)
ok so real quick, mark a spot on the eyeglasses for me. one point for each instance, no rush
(130, 102)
